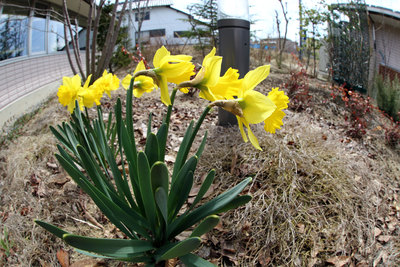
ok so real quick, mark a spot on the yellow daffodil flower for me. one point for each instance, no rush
(227, 86)
(71, 90)
(68, 91)
(207, 77)
(212, 68)
(274, 121)
(107, 83)
(255, 106)
(142, 83)
(90, 95)
(168, 68)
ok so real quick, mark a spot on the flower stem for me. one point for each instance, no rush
(168, 116)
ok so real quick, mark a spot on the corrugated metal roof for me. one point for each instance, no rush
(384, 11)
(152, 3)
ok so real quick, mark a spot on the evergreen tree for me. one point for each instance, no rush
(204, 24)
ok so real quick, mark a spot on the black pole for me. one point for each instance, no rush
(234, 47)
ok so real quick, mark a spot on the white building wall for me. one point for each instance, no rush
(162, 18)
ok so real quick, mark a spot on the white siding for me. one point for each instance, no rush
(165, 18)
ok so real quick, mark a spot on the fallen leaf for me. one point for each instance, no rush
(301, 227)
(63, 257)
(171, 262)
(184, 235)
(377, 231)
(25, 210)
(169, 158)
(392, 226)
(44, 263)
(339, 261)
(40, 190)
(52, 165)
(209, 191)
(220, 227)
(229, 251)
(234, 161)
(384, 238)
(194, 191)
(4, 216)
(86, 263)
(264, 261)
(60, 180)
(362, 264)
(34, 180)
(246, 226)
(383, 255)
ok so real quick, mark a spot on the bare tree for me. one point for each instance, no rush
(141, 7)
(281, 43)
(92, 29)
(141, 10)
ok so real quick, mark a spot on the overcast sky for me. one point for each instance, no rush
(263, 12)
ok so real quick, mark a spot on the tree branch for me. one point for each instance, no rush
(76, 53)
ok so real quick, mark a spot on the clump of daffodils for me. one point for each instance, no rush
(229, 92)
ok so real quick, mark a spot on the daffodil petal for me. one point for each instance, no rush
(240, 123)
(183, 57)
(86, 85)
(256, 107)
(206, 94)
(159, 55)
(71, 106)
(164, 91)
(171, 70)
(74, 82)
(140, 66)
(126, 82)
(138, 93)
(253, 139)
(274, 121)
(213, 71)
(279, 98)
(254, 77)
(184, 90)
(228, 85)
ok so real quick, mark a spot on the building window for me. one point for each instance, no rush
(38, 42)
(157, 33)
(180, 34)
(56, 36)
(146, 35)
(13, 32)
(143, 15)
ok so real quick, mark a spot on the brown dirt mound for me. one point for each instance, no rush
(318, 197)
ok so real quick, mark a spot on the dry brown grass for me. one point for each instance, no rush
(317, 195)
(313, 199)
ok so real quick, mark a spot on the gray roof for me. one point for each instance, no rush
(151, 3)
(384, 11)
